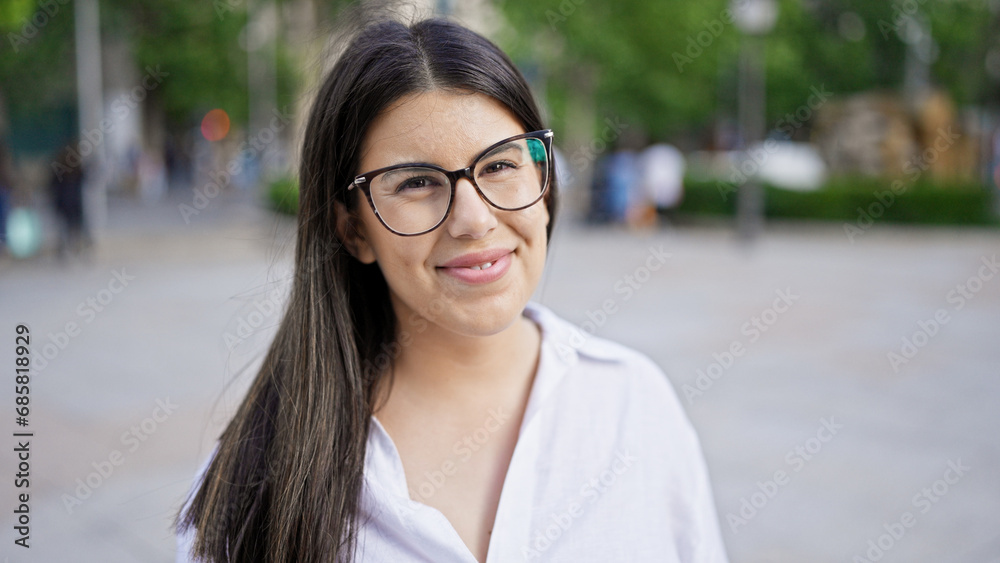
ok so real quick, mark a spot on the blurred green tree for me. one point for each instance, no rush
(671, 66)
(197, 43)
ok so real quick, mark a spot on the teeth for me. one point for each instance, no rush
(482, 267)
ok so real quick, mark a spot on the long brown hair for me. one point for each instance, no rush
(285, 482)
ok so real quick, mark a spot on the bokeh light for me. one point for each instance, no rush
(215, 125)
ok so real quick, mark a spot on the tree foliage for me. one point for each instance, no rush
(669, 66)
(199, 44)
(672, 66)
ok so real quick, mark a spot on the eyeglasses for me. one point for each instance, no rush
(415, 198)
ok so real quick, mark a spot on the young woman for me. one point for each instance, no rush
(414, 405)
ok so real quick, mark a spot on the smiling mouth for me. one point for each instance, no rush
(479, 268)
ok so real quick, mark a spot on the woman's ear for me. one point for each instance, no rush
(350, 231)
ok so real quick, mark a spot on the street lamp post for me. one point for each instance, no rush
(755, 18)
(90, 101)
(263, 21)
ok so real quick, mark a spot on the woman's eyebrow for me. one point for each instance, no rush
(510, 145)
(397, 171)
(504, 147)
(409, 161)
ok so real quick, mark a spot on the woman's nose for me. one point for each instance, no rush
(471, 216)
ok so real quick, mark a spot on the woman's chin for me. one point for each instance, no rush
(486, 318)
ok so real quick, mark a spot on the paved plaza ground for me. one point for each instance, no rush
(847, 394)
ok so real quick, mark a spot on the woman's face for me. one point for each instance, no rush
(438, 277)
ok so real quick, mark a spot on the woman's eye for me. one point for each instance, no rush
(499, 166)
(416, 184)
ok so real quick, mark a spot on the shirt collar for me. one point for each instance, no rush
(570, 341)
(563, 346)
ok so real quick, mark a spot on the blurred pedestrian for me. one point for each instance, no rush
(621, 180)
(662, 177)
(612, 186)
(66, 189)
(995, 168)
(597, 211)
(6, 188)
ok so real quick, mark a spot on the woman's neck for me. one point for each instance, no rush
(439, 369)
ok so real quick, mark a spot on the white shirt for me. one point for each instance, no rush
(607, 468)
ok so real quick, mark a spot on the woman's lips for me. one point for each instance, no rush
(479, 267)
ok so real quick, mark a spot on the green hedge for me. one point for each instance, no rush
(842, 199)
(283, 195)
(847, 199)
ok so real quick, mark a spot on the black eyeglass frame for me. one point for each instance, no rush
(363, 181)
